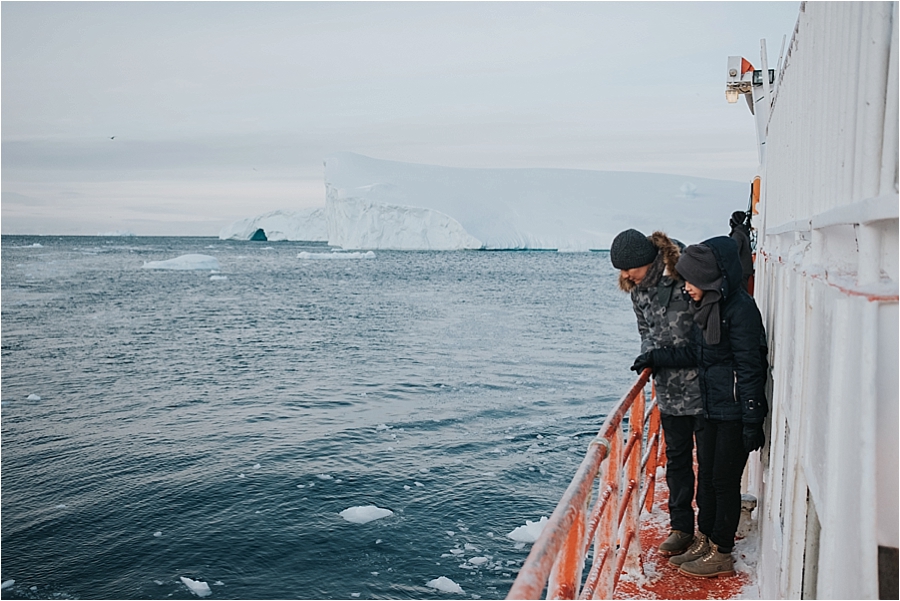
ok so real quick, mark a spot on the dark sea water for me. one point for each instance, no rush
(214, 428)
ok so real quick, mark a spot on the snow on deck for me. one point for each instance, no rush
(663, 581)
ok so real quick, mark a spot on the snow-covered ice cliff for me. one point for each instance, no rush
(374, 204)
(306, 224)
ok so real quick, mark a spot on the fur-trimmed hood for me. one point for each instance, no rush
(669, 251)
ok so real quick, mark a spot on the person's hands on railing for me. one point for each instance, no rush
(642, 362)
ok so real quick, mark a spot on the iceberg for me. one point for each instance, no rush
(375, 204)
(185, 262)
(304, 225)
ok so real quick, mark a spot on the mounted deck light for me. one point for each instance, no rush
(732, 95)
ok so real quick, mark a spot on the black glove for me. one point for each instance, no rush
(754, 437)
(643, 361)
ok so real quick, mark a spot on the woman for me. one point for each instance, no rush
(728, 347)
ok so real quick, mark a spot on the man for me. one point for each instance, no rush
(647, 272)
(740, 233)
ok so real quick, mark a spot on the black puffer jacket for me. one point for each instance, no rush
(733, 372)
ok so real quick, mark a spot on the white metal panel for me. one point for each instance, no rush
(827, 286)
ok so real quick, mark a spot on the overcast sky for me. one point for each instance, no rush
(225, 110)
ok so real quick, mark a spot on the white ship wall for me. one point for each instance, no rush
(827, 285)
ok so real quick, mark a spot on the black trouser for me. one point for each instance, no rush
(679, 432)
(721, 459)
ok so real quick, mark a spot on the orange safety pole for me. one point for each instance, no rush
(633, 474)
(606, 534)
(566, 574)
(650, 471)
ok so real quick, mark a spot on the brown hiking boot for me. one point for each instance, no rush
(676, 544)
(710, 565)
(698, 549)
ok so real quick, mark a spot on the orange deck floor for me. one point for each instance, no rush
(662, 580)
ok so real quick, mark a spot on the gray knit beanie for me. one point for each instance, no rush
(631, 249)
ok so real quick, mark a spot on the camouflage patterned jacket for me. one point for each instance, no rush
(664, 318)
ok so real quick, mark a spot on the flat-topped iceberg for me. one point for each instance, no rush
(377, 204)
(185, 262)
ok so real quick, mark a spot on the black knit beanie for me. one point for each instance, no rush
(631, 249)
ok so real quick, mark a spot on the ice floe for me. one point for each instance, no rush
(201, 589)
(185, 262)
(7, 584)
(34, 397)
(218, 278)
(529, 532)
(363, 514)
(158, 533)
(445, 585)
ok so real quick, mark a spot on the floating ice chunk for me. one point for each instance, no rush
(529, 532)
(445, 585)
(354, 594)
(424, 470)
(419, 484)
(324, 477)
(477, 561)
(407, 487)
(185, 262)
(218, 583)
(336, 255)
(6, 584)
(450, 533)
(159, 582)
(33, 397)
(457, 551)
(380, 427)
(60, 506)
(519, 545)
(363, 514)
(158, 533)
(201, 589)
(301, 486)
(257, 466)
(240, 475)
(471, 547)
(378, 542)
(218, 278)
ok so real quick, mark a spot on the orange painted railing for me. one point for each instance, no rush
(610, 523)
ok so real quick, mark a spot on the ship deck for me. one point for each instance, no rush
(661, 580)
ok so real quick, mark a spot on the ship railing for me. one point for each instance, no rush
(622, 459)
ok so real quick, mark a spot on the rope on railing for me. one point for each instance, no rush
(609, 525)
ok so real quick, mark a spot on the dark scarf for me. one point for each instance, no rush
(707, 315)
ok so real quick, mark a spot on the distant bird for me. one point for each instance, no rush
(112, 137)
